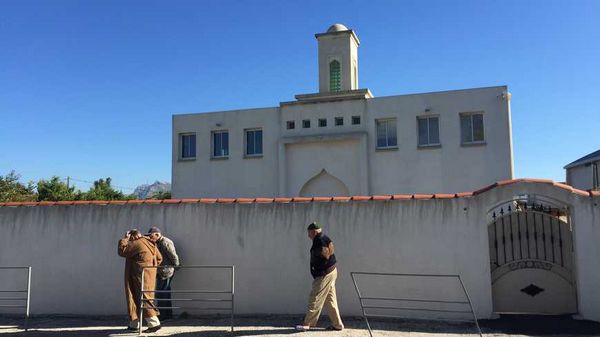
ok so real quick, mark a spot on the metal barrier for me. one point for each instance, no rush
(416, 300)
(152, 306)
(14, 292)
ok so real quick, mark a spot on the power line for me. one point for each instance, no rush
(91, 183)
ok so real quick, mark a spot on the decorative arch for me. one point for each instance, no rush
(335, 76)
(324, 184)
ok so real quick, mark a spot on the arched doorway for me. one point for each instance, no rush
(324, 184)
(531, 257)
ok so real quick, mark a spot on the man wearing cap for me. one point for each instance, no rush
(164, 275)
(323, 270)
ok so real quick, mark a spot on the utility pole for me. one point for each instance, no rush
(68, 180)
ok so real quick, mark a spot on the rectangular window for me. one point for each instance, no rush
(254, 142)
(306, 123)
(188, 145)
(339, 121)
(386, 133)
(355, 120)
(322, 122)
(291, 125)
(471, 128)
(220, 144)
(429, 131)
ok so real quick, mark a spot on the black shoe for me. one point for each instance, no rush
(153, 329)
(132, 329)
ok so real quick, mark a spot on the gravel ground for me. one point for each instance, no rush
(282, 326)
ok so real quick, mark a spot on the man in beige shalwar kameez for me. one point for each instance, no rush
(139, 252)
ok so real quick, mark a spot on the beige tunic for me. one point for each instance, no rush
(138, 254)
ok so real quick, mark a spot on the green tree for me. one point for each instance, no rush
(103, 190)
(56, 190)
(13, 190)
(161, 195)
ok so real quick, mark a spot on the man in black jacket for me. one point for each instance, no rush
(322, 268)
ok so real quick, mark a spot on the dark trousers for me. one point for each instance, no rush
(164, 299)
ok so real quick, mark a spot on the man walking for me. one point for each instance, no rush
(139, 252)
(323, 270)
(164, 275)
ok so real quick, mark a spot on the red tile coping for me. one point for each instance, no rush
(307, 199)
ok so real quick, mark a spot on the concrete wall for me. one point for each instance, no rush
(76, 269)
(405, 169)
(581, 177)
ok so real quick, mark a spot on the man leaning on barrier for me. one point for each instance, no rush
(323, 270)
(139, 252)
(164, 275)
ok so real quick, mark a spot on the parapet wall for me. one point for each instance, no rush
(76, 270)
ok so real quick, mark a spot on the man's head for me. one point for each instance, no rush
(134, 234)
(154, 234)
(313, 230)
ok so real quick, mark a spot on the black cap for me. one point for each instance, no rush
(313, 226)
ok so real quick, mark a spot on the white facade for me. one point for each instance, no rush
(584, 173)
(346, 159)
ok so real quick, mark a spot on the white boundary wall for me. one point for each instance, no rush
(76, 270)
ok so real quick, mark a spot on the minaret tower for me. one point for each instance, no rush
(338, 59)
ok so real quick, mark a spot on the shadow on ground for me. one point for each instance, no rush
(53, 326)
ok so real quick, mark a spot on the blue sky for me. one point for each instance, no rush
(88, 88)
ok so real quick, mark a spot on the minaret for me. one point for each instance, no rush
(338, 59)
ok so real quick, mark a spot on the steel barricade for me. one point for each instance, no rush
(231, 292)
(366, 315)
(14, 292)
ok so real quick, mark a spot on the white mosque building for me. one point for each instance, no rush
(345, 141)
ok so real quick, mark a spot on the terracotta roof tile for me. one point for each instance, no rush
(189, 201)
(402, 196)
(382, 197)
(361, 198)
(581, 192)
(244, 200)
(308, 199)
(264, 200)
(171, 201)
(152, 201)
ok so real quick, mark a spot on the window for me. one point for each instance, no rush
(220, 144)
(386, 133)
(306, 123)
(322, 122)
(429, 131)
(254, 142)
(335, 76)
(339, 121)
(355, 120)
(291, 125)
(471, 128)
(188, 146)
